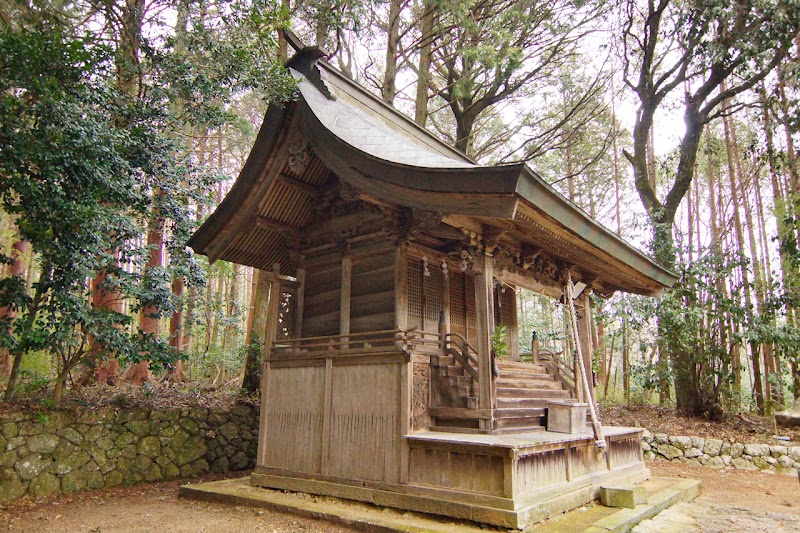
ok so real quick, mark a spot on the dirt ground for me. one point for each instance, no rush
(146, 508)
(777, 493)
(157, 508)
(742, 428)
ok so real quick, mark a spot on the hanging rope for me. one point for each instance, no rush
(569, 290)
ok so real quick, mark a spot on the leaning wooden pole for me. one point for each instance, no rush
(597, 427)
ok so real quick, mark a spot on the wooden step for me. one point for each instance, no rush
(522, 412)
(518, 365)
(524, 374)
(519, 423)
(522, 403)
(528, 383)
(522, 392)
(521, 429)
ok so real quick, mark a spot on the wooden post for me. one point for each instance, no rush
(273, 311)
(401, 288)
(513, 329)
(300, 296)
(585, 336)
(445, 301)
(344, 308)
(257, 320)
(484, 306)
(535, 348)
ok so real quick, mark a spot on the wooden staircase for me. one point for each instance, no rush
(522, 393)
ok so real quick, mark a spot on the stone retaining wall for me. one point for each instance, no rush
(716, 453)
(43, 454)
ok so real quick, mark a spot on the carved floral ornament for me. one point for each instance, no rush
(299, 155)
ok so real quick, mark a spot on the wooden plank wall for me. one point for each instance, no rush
(292, 422)
(364, 423)
(339, 418)
(372, 291)
(322, 291)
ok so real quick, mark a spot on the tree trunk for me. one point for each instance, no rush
(19, 254)
(258, 322)
(389, 89)
(423, 71)
(737, 226)
(175, 373)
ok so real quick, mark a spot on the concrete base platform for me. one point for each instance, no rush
(662, 492)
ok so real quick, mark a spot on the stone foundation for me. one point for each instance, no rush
(49, 453)
(716, 453)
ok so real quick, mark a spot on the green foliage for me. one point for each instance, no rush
(500, 345)
(694, 319)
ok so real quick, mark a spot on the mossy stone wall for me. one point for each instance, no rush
(49, 453)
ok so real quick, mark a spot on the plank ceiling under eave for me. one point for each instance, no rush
(260, 248)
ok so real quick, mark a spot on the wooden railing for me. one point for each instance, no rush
(463, 353)
(563, 371)
(389, 341)
(373, 342)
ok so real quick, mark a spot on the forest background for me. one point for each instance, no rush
(123, 124)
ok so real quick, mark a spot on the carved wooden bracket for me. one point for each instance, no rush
(299, 155)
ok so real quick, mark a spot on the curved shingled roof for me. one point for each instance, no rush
(375, 148)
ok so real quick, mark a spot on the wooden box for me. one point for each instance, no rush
(566, 417)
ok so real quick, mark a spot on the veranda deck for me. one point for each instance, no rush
(509, 480)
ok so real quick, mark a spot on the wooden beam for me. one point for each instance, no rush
(277, 226)
(301, 186)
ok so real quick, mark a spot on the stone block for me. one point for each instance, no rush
(43, 443)
(669, 451)
(44, 485)
(737, 448)
(622, 495)
(756, 450)
(712, 447)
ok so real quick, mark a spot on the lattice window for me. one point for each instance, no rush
(469, 301)
(457, 304)
(414, 288)
(505, 305)
(433, 295)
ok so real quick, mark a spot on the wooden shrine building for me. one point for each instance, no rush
(392, 258)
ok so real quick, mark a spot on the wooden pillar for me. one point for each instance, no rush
(446, 299)
(273, 310)
(513, 329)
(401, 288)
(484, 306)
(257, 321)
(300, 297)
(344, 308)
(585, 337)
(406, 370)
